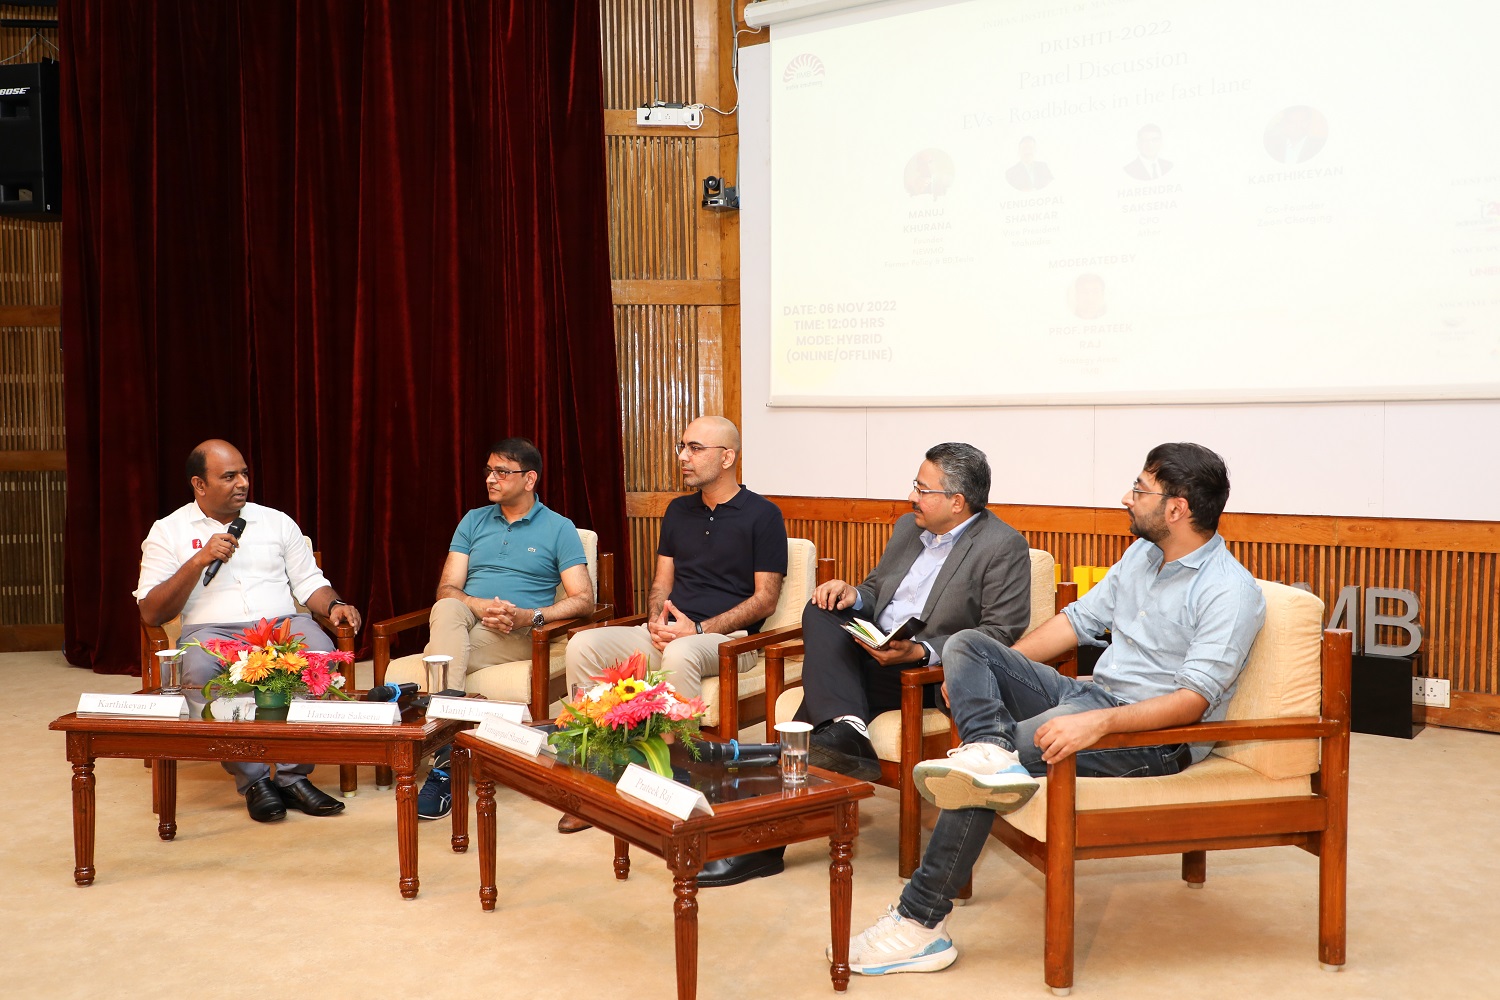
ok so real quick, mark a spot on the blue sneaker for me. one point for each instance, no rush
(435, 800)
(976, 776)
(898, 944)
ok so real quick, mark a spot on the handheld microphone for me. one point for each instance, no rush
(734, 750)
(236, 528)
(391, 692)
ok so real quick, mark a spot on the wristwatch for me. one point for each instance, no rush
(698, 627)
(926, 654)
(537, 621)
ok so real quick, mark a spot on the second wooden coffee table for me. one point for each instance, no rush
(752, 812)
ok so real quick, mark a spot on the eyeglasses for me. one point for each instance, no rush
(917, 488)
(694, 448)
(503, 474)
(1151, 493)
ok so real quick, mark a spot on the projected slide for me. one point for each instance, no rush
(1135, 200)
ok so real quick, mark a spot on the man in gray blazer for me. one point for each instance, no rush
(950, 563)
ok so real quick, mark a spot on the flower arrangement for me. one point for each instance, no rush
(629, 708)
(272, 659)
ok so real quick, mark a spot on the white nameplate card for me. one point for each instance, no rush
(665, 794)
(138, 706)
(477, 710)
(512, 736)
(359, 713)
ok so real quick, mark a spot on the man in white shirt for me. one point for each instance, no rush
(264, 572)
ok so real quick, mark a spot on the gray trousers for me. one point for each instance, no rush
(198, 668)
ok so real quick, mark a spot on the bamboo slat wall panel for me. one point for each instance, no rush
(656, 348)
(653, 206)
(645, 533)
(31, 400)
(648, 51)
(1459, 590)
(31, 525)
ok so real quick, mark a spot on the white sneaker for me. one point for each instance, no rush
(976, 776)
(896, 944)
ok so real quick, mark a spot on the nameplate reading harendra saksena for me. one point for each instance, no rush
(665, 794)
(359, 713)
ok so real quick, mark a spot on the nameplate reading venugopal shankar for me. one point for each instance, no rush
(360, 713)
(522, 739)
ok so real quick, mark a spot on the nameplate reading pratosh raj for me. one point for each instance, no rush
(138, 706)
(647, 786)
(360, 713)
(522, 739)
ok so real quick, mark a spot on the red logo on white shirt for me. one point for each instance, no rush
(197, 543)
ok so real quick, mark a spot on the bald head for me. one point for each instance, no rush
(715, 430)
(706, 454)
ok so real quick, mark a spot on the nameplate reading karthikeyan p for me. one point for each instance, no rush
(134, 706)
(359, 713)
(522, 739)
(665, 794)
(477, 710)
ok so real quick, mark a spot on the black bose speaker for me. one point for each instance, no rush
(30, 145)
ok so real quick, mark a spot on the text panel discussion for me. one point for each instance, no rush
(750, 498)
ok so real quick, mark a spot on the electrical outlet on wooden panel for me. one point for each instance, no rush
(1429, 691)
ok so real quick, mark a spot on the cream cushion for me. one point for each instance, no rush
(509, 681)
(885, 730)
(1283, 677)
(796, 590)
(1215, 779)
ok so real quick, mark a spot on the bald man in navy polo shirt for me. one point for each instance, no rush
(719, 567)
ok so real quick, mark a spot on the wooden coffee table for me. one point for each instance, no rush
(752, 812)
(398, 747)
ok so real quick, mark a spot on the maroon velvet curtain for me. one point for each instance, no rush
(361, 239)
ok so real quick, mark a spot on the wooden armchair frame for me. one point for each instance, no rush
(915, 747)
(1317, 823)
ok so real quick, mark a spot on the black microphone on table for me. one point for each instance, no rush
(744, 754)
(391, 692)
(236, 528)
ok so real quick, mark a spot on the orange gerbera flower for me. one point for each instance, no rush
(258, 666)
(292, 662)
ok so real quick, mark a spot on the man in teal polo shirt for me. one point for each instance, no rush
(499, 582)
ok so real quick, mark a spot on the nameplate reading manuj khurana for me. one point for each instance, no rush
(359, 713)
(477, 710)
(134, 706)
(522, 739)
(665, 794)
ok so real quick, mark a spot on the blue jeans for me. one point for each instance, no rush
(999, 696)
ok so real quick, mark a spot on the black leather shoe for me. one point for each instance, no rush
(838, 746)
(263, 802)
(742, 868)
(301, 794)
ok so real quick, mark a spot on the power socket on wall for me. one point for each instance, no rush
(1429, 691)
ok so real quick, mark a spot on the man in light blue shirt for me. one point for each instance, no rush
(1182, 612)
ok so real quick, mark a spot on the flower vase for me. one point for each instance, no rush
(271, 706)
